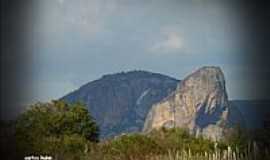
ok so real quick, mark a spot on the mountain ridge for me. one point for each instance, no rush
(119, 102)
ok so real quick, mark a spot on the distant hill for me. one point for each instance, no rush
(119, 102)
(255, 112)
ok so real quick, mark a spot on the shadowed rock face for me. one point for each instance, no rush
(200, 103)
(120, 102)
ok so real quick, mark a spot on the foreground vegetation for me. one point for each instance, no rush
(68, 132)
(57, 128)
(174, 144)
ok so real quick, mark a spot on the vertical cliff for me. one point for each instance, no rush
(200, 104)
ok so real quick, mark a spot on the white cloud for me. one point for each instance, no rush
(84, 17)
(169, 43)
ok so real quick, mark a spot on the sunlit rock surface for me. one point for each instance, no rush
(200, 104)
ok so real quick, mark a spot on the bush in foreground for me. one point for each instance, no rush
(56, 129)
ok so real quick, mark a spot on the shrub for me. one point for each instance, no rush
(55, 129)
(130, 146)
(176, 139)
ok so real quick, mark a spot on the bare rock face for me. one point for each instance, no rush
(200, 104)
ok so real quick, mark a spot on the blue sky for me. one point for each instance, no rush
(77, 41)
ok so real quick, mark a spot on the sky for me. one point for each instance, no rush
(77, 41)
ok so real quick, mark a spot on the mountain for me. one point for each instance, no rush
(200, 104)
(120, 102)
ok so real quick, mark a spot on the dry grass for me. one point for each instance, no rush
(251, 153)
(227, 154)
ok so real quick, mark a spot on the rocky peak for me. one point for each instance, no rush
(200, 103)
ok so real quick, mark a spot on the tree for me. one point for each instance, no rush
(55, 128)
